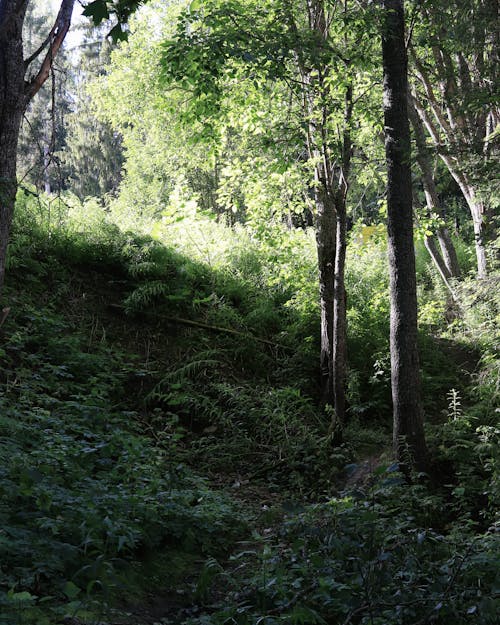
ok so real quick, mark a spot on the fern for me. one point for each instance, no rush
(145, 294)
(143, 268)
(192, 369)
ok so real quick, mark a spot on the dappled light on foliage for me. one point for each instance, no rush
(178, 442)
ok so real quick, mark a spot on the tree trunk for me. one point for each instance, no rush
(453, 133)
(330, 195)
(339, 355)
(46, 167)
(12, 105)
(15, 93)
(448, 251)
(340, 296)
(326, 248)
(408, 432)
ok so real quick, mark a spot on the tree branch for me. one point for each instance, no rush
(56, 38)
(41, 48)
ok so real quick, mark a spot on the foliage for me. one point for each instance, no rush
(84, 491)
(159, 422)
(363, 558)
(98, 434)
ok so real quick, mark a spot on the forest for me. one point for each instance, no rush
(249, 312)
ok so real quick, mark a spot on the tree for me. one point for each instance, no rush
(408, 430)
(312, 47)
(43, 135)
(445, 258)
(160, 157)
(454, 56)
(331, 172)
(93, 157)
(20, 80)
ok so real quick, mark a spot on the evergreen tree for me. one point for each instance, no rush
(93, 156)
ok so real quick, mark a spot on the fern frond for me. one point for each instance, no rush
(145, 294)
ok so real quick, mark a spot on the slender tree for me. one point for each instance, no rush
(407, 411)
(21, 78)
(303, 46)
(331, 170)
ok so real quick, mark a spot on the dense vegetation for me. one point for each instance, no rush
(166, 453)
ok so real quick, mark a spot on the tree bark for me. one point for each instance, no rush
(12, 105)
(15, 94)
(340, 295)
(408, 432)
(326, 249)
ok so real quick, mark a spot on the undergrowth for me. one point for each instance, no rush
(134, 369)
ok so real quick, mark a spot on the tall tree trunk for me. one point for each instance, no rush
(339, 355)
(340, 296)
(15, 93)
(408, 432)
(331, 173)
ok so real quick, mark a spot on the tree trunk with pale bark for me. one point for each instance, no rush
(447, 82)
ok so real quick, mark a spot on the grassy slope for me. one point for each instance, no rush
(109, 414)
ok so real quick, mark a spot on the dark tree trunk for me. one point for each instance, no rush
(408, 432)
(326, 245)
(12, 104)
(340, 296)
(15, 93)
(330, 192)
(339, 355)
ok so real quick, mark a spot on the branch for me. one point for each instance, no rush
(55, 40)
(431, 97)
(206, 326)
(42, 47)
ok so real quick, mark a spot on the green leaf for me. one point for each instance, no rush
(71, 590)
(20, 596)
(97, 10)
(195, 5)
(118, 34)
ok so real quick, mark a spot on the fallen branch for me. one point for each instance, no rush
(206, 326)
